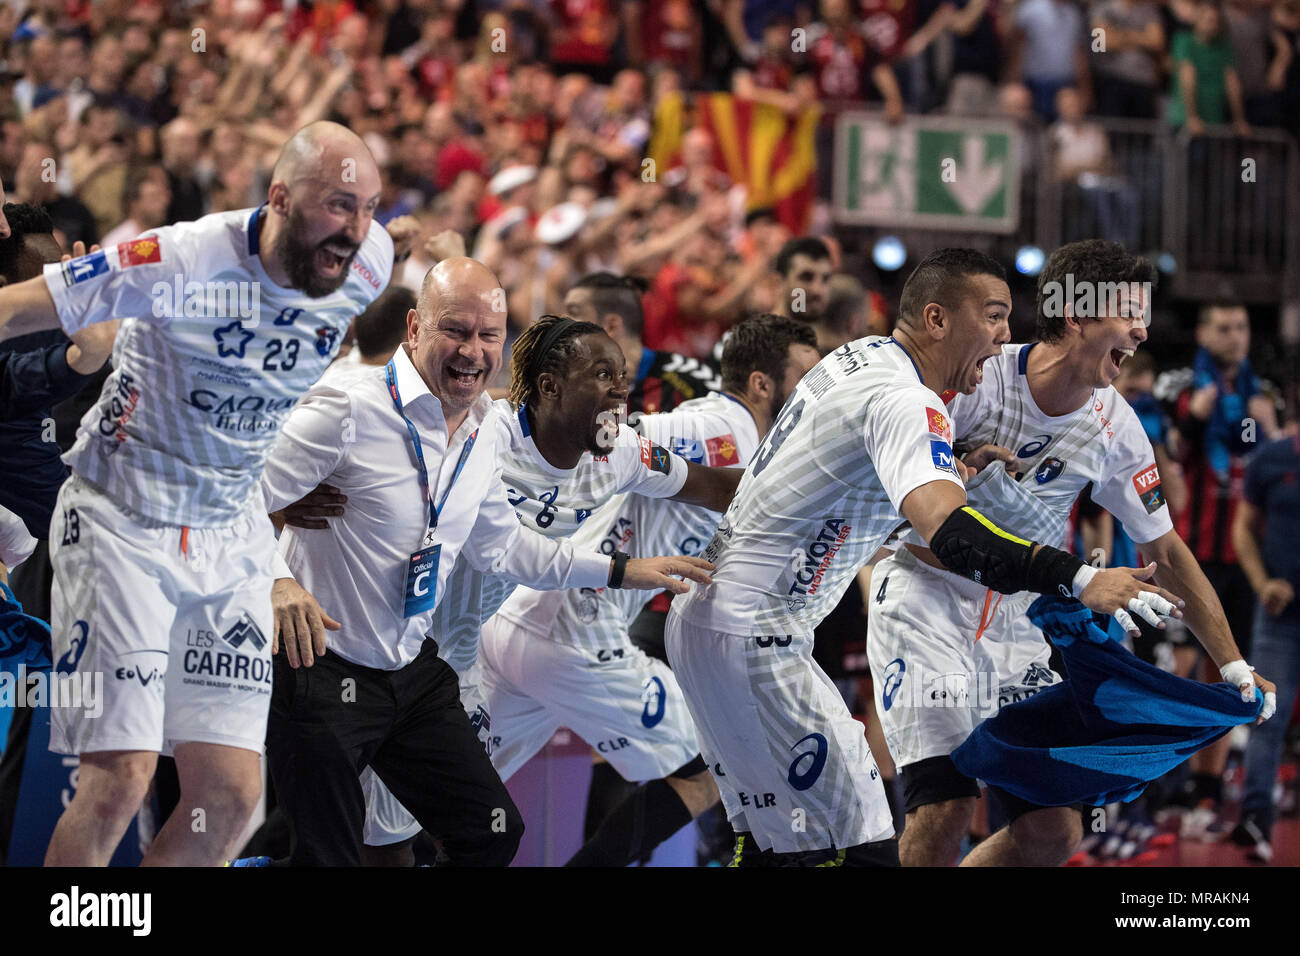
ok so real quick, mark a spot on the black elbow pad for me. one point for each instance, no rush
(969, 544)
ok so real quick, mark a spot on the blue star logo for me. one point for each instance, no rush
(235, 350)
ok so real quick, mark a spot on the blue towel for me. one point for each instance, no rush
(1104, 733)
(23, 639)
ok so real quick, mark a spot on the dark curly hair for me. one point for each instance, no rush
(1094, 265)
(761, 343)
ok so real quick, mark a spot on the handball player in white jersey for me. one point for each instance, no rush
(853, 454)
(160, 545)
(564, 658)
(1043, 424)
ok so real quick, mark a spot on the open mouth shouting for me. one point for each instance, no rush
(1117, 357)
(465, 376)
(332, 257)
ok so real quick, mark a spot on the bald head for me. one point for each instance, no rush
(457, 331)
(327, 153)
(458, 280)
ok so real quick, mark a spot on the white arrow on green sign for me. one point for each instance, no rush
(928, 172)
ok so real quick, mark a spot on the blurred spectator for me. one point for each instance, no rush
(1206, 87)
(1051, 43)
(180, 156)
(36, 87)
(613, 122)
(1249, 27)
(145, 197)
(847, 316)
(97, 163)
(1265, 533)
(1127, 71)
(1016, 103)
(1084, 164)
(846, 66)
(699, 291)
(745, 21)
(1284, 67)
(1219, 413)
(977, 59)
(36, 183)
(664, 33)
(583, 35)
(804, 266)
(696, 174)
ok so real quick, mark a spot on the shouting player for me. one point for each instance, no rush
(161, 547)
(946, 651)
(564, 658)
(853, 450)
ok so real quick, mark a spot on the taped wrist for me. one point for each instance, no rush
(970, 545)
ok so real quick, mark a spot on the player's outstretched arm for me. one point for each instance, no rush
(967, 543)
(1178, 569)
(712, 488)
(92, 345)
(26, 307)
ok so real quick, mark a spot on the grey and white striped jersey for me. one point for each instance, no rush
(209, 360)
(1102, 443)
(716, 430)
(823, 492)
(555, 502)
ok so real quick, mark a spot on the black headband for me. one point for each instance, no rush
(553, 335)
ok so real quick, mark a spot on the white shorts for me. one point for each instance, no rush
(792, 764)
(621, 701)
(936, 673)
(174, 624)
(387, 821)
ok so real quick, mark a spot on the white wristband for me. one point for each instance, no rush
(1082, 578)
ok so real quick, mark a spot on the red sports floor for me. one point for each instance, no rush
(1172, 851)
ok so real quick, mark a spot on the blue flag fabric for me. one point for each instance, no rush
(23, 639)
(1100, 736)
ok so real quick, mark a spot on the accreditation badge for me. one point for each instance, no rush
(421, 581)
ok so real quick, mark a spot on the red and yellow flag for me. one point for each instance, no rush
(769, 151)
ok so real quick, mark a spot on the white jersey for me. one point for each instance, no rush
(210, 358)
(823, 492)
(716, 430)
(1102, 443)
(555, 502)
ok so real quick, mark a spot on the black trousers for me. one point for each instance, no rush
(330, 721)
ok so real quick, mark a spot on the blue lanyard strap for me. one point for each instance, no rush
(391, 372)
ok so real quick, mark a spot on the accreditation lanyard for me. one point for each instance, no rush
(419, 595)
